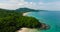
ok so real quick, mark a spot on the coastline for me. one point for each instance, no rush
(27, 30)
(25, 14)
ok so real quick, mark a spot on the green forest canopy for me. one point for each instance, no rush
(10, 21)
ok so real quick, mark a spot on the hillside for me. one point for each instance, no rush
(11, 21)
(26, 10)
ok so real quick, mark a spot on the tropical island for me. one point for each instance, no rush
(13, 20)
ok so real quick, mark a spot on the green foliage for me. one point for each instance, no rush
(26, 10)
(10, 21)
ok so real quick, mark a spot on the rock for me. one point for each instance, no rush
(44, 26)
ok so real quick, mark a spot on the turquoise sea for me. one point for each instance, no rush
(51, 18)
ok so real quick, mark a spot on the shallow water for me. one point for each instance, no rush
(51, 18)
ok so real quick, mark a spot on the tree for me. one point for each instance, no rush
(10, 21)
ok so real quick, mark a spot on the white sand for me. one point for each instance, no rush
(24, 14)
(27, 30)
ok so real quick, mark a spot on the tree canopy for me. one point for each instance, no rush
(10, 21)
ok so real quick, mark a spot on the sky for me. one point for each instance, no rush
(34, 4)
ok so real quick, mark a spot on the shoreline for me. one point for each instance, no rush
(27, 30)
(25, 14)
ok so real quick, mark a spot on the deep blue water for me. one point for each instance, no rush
(51, 18)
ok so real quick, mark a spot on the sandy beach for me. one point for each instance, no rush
(25, 14)
(27, 30)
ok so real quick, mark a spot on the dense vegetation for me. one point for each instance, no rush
(26, 10)
(10, 21)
